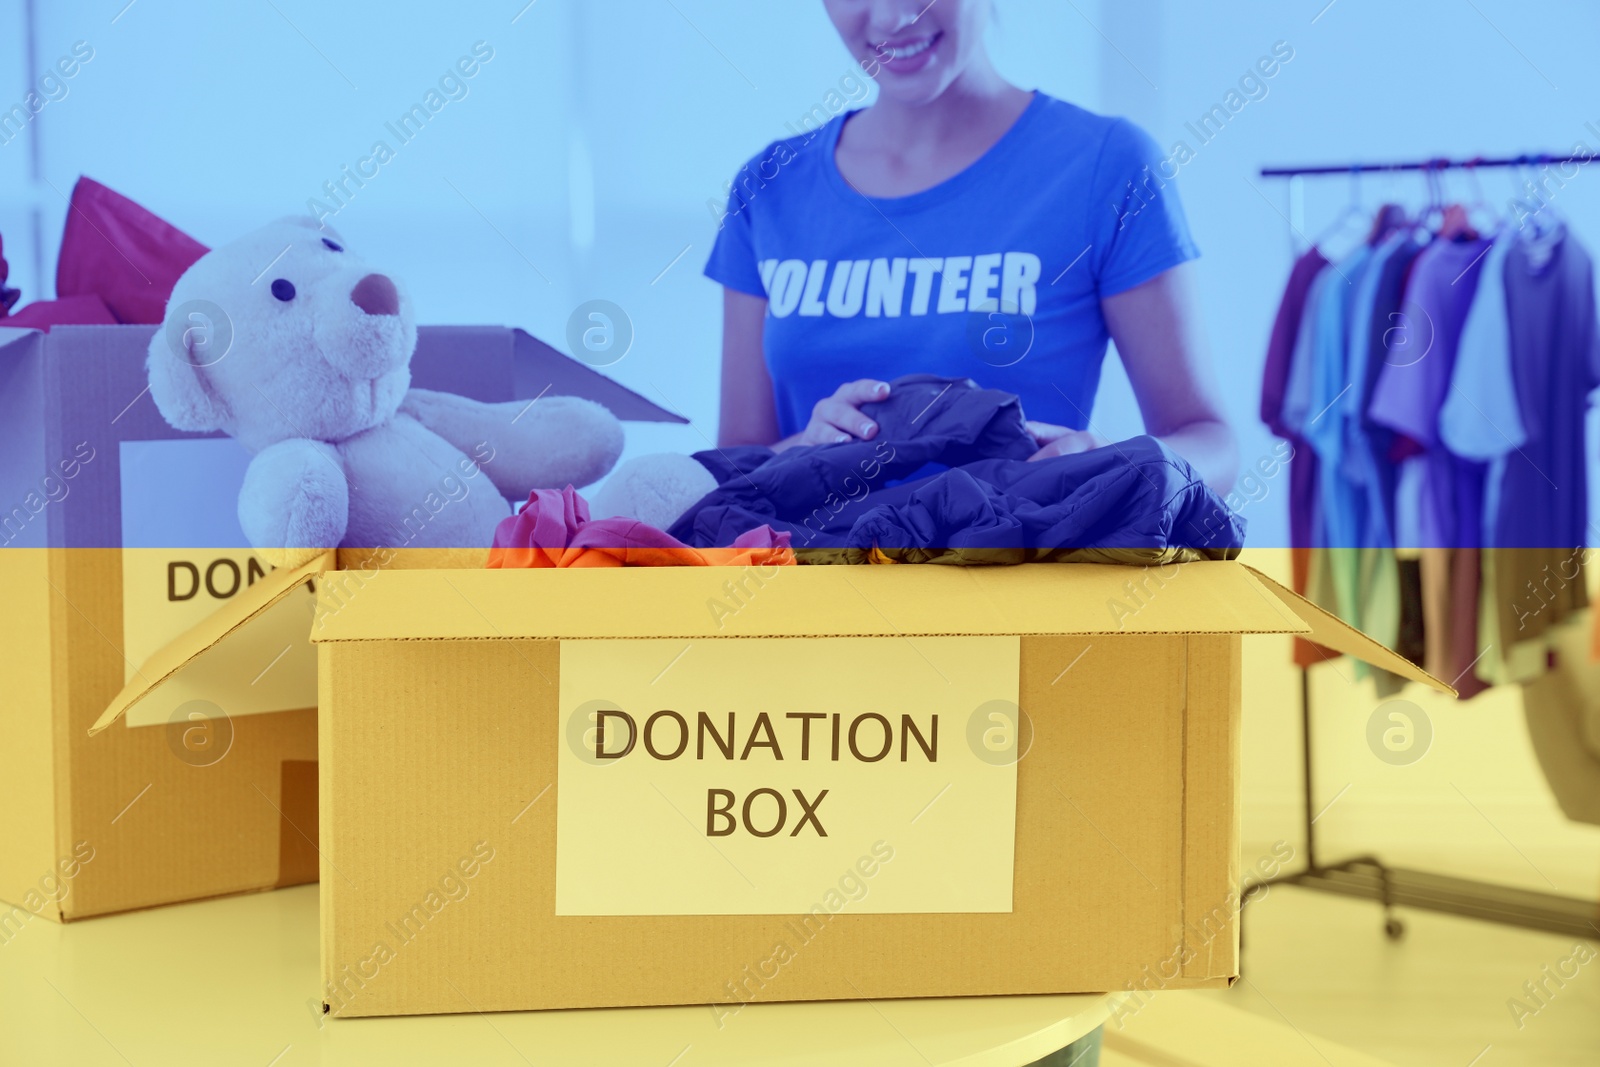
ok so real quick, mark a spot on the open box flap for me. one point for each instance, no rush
(804, 601)
(176, 654)
(1331, 632)
(714, 602)
(543, 369)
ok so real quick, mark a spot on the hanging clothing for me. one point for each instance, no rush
(1285, 333)
(1542, 514)
(1303, 467)
(1319, 336)
(1562, 708)
(1323, 427)
(1385, 337)
(1412, 386)
(1480, 418)
(1409, 642)
(1319, 333)
(1385, 576)
(1373, 585)
(1410, 391)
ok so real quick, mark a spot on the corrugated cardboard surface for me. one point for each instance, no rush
(1211, 808)
(28, 764)
(437, 752)
(1219, 597)
(161, 827)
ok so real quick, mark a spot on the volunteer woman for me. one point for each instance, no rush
(965, 227)
(959, 226)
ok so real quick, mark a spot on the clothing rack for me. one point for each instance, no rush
(1541, 160)
(1430, 168)
(1366, 876)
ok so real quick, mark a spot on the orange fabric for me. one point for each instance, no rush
(553, 529)
(641, 556)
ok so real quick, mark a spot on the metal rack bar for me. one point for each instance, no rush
(1347, 169)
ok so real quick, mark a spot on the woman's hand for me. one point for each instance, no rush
(838, 418)
(1060, 441)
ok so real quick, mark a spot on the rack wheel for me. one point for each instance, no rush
(1393, 928)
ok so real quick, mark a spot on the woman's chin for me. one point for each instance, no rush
(915, 90)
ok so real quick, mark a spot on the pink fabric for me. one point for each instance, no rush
(114, 249)
(553, 529)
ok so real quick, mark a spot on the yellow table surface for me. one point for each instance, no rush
(234, 981)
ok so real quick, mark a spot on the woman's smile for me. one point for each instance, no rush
(908, 55)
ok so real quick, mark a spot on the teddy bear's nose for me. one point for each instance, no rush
(376, 295)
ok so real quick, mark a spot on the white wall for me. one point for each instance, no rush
(1372, 80)
(578, 166)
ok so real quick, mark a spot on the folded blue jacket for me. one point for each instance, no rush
(947, 480)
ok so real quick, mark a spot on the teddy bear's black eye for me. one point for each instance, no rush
(283, 289)
(336, 246)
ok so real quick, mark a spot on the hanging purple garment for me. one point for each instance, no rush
(1274, 383)
(1415, 379)
(1550, 308)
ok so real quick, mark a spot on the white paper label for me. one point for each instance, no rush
(177, 498)
(776, 776)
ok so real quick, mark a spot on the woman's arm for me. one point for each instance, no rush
(748, 414)
(1153, 326)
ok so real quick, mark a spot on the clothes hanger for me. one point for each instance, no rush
(1548, 228)
(1455, 223)
(1539, 216)
(1491, 219)
(1432, 216)
(1393, 219)
(1353, 210)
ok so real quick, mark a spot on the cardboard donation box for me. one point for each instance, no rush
(584, 788)
(117, 534)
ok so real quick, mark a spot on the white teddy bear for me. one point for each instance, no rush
(655, 489)
(305, 360)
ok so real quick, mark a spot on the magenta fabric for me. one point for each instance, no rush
(114, 249)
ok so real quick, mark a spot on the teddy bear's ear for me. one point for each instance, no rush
(181, 395)
(311, 224)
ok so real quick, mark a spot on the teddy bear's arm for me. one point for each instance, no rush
(548, 443)
(295, 501)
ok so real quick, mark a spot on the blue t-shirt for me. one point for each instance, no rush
(995, 275)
